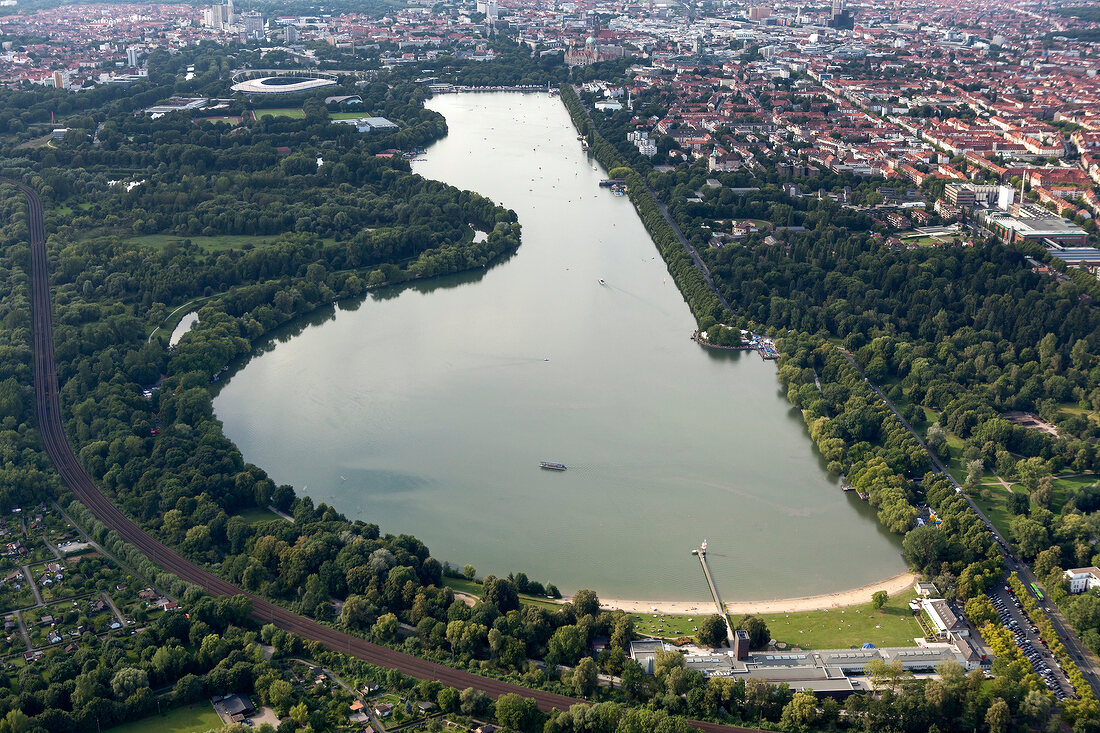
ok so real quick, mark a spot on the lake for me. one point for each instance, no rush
(428, 409)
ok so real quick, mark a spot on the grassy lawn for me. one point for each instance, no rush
(996, 508)
(1071, 408)
(667, 626)
(296, 113)
(1076, 482)
(851, 626)
(461, 585)
(1062, 487)
(955, 464)
(197, 718)
(217, 243)
(348, 115)
(258, 514)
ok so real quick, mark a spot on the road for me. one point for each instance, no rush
(48, 414)
(1085, 660)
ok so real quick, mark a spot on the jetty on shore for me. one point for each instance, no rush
(701, 553)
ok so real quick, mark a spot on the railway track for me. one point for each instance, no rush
(48, 413)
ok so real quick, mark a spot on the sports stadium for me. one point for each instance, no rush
(281, 83)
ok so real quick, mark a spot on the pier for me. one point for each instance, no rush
(721, 608)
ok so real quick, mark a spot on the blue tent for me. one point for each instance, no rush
(868, 645)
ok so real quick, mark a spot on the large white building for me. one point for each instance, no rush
(1083, 579)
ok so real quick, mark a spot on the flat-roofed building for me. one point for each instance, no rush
(645, 653)
(1050, 229)
(828, 671)
(1083, 257)
(1083, 579)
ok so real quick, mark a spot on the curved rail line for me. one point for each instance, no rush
(48, 412)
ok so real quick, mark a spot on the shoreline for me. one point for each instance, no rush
(852, 597)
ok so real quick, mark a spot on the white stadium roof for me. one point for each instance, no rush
(281, 85)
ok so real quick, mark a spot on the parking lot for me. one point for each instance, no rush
(1027, 639)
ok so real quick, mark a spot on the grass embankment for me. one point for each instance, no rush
(472, 588)
(197, 718)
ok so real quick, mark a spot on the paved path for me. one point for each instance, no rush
(111, 603)
(33, 585)
(281, 513)
(95, 546)
(56, 552)
(23, 630)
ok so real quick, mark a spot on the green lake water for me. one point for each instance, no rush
(428, 409)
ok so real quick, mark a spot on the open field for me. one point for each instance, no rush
(349, 115)
(197, 718)
(851, 626)
(296, 113)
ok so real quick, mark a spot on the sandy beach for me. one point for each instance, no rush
(894, 585)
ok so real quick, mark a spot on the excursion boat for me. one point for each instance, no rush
(551, 465)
